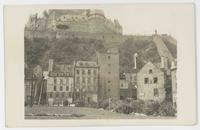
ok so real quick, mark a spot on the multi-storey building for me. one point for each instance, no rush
(59, 88)
(86, 81)
(151, 83)
(124, 87)
(109, 74)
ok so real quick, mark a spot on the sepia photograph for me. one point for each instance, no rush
(80, 65)
(100, 65)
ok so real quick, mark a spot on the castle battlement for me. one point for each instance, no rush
(73, 20)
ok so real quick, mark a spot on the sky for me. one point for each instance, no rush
(137, 19)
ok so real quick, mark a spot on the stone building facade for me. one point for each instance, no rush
(109, 74)
(174, 84)
(151, 83)
(59, 88)
(86, 80)
(124, 87)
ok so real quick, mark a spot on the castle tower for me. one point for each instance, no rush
(109, 74)
(96, 19)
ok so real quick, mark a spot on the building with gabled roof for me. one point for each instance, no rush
(151, 83)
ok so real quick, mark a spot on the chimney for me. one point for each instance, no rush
(50, 65)
(162, 62)
(173, 65)
(135, 60)
(156, 32)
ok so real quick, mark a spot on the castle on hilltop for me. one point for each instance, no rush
(59, 23)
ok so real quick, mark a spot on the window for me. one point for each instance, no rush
(109, 81)
(61, 88)
(50, 95)
(70, 94)
(155, 92)
(54, 80)
(108, 57)
(77, 72)
(150, 71)
(89, 80)
(95, 71)
(95, 79)
(63, 95)
(67, 88)
(57, 94)
(54, 88)
(108, 90)
(83, 79)
(78, 79)
(155, 80)
(89, 72)
(146, 80)
(61, 81)
(109, 65)
(109, 72)
(83, 71)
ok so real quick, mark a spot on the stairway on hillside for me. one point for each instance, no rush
(161, 47)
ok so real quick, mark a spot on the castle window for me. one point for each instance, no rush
(155, 80)
(108, 57)
(109, 72)
(109, 65)
(57, 94)
(155, 92)
(108, 90)
(109, 81)
(146, 80)
(61, 88)
(150, 71)
(77, 72)
(54, 88)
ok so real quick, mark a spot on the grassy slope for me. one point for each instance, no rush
(38, 51)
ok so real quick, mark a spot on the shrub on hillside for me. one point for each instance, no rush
(167, 109)
(104, 104)
(137, 105)
(79, 103)
(125, 109)
(66, 103)
(92, 104)
(152, 107)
